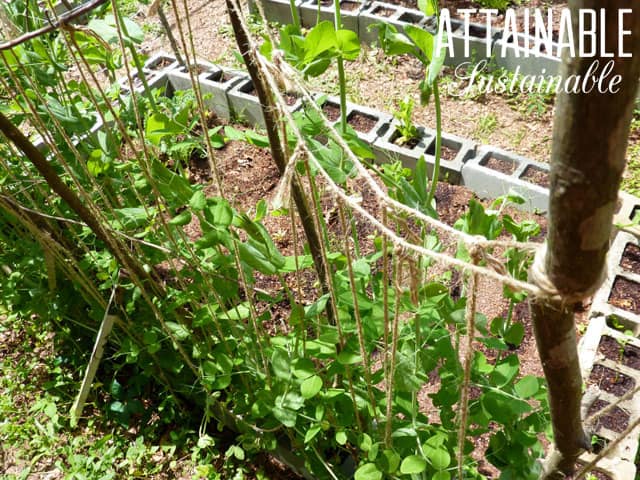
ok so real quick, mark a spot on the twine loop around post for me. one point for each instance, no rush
(538, 276)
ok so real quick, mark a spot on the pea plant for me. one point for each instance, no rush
(363, 380)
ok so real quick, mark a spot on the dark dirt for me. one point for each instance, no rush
(625, 294)
(595, 473)
(226, 76)
(446, 153)
(162, 63)
(620, 352)
(536, 175)
(384, 11)
(361, 122)
(411, 143)
(631, 258)
(331, 111)
(616, 420)
(349, 6)
(500, 165)
(611, 381)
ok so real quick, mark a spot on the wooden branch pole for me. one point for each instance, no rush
(54, 181)
(277, 151)
(587, 161)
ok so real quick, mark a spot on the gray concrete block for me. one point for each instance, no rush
(180, 79)
(349, 12)
(279, 11)
(590, 355)
(455, 152)
(487, 182)
(514, 56)
(161, 62)
(480, 43)
(386, 150)
(215, 85)
(395, 15)
(244, 103)
(374, 120)
(615, 272)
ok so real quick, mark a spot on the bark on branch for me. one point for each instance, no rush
(587, 161)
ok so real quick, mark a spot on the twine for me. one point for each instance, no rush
(538, 276)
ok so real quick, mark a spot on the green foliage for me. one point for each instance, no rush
(408, 130)
(501, 5)
(192, 335)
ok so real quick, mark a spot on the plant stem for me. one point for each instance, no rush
(294, 13)
(436, 166)
(342, 81)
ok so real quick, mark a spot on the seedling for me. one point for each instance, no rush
(406, 127)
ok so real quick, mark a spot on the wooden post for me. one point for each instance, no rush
(587, 161)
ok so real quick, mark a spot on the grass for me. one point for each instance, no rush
(487, 124)
(37, 389)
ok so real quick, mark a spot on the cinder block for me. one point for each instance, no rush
(386, 150)
(180, 79)
(488, 182)
(349, 12)
(279, 11)
(615, 272)
(480, 43)
(366, 122)
(379, 12)
(215, 85)
(513, 55)
(161, 62)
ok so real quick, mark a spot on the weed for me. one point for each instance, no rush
(487, 124)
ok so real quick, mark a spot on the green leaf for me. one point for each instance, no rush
(239, 312)
(171, 186)
(311, 386)
(505, 371)
(389, 461)
(159, 126)
(515, 334)
(198, 200)
(439, 56)
(303, 368)
(320, 39)
(422, 39)
(183, 218)
(219, 212)
(442, 475)
(527, 386)
(348, 44)
(341, 437)
(413, 464)
(180, 332)
(133, 217)
(439, 457)
(392, 42)
(368, 471)
(281, 364)
(311, 433)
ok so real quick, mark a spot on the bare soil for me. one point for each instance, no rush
(610, 381)
(616, 420)
(501, 165)
(620, 352)
(537, 176)
(625, 294)
(631, 258)
(361, 122)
